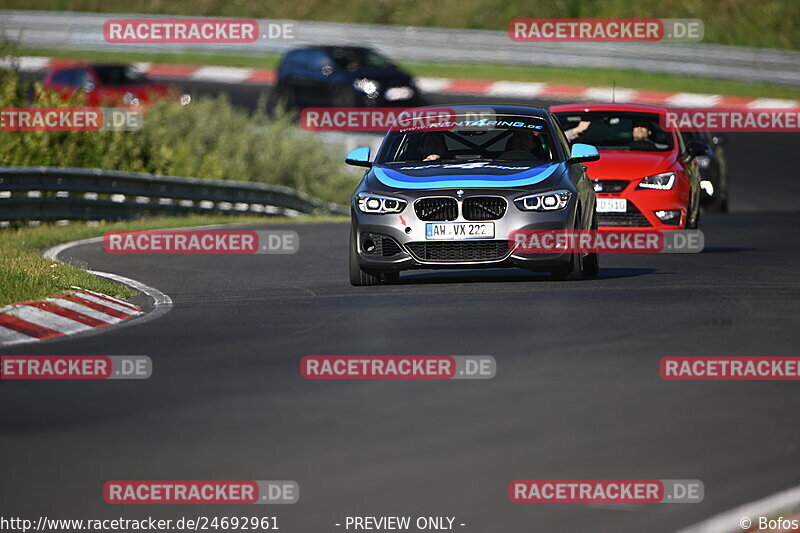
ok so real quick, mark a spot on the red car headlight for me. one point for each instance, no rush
(662, 182)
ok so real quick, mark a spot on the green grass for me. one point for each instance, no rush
(762, 23)
(630, 79)
(25, 275)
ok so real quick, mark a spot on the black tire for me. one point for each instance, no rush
(390, 277)
(358, 277)
(572, 271)
(591, 263)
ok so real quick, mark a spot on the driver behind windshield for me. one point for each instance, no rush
(523, 143)
(433, 146)
(521, 140)
(642, 135)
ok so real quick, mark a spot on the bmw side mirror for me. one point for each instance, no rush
(358, 157)
(583, 153)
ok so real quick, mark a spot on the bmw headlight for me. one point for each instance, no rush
(367, 86)
(662, 182)
(546, 201)
(372, 204)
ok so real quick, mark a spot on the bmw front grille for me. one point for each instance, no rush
(441, 208)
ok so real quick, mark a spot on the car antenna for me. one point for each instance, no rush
(613, 91)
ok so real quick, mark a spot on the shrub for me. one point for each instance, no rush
(210, 138)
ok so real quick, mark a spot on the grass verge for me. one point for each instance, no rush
(630, 79)
(25, 275)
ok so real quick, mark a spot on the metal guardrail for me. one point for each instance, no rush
(84, 31)
(61, 193)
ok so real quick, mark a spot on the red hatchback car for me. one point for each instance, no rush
(646, 177)
(109, 84)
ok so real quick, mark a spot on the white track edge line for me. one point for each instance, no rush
(728, 521)
(162, 303)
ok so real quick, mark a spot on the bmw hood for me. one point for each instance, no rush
(484, 174)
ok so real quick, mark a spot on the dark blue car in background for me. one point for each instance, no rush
(347, 76)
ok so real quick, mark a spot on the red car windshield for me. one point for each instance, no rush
(120, 75)
(615, 130)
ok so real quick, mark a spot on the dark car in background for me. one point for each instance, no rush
(713, 170)
(109, 84)
(345, 76)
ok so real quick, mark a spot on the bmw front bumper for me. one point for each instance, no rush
(397, 241)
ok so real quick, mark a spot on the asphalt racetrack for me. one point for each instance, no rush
(577, 392)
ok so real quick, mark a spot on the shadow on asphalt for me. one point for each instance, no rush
(510, 275)
(619, 273)
(726, 250)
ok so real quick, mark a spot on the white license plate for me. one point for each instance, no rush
(612, 205)
(457, 231)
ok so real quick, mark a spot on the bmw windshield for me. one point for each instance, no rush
(461, 139)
